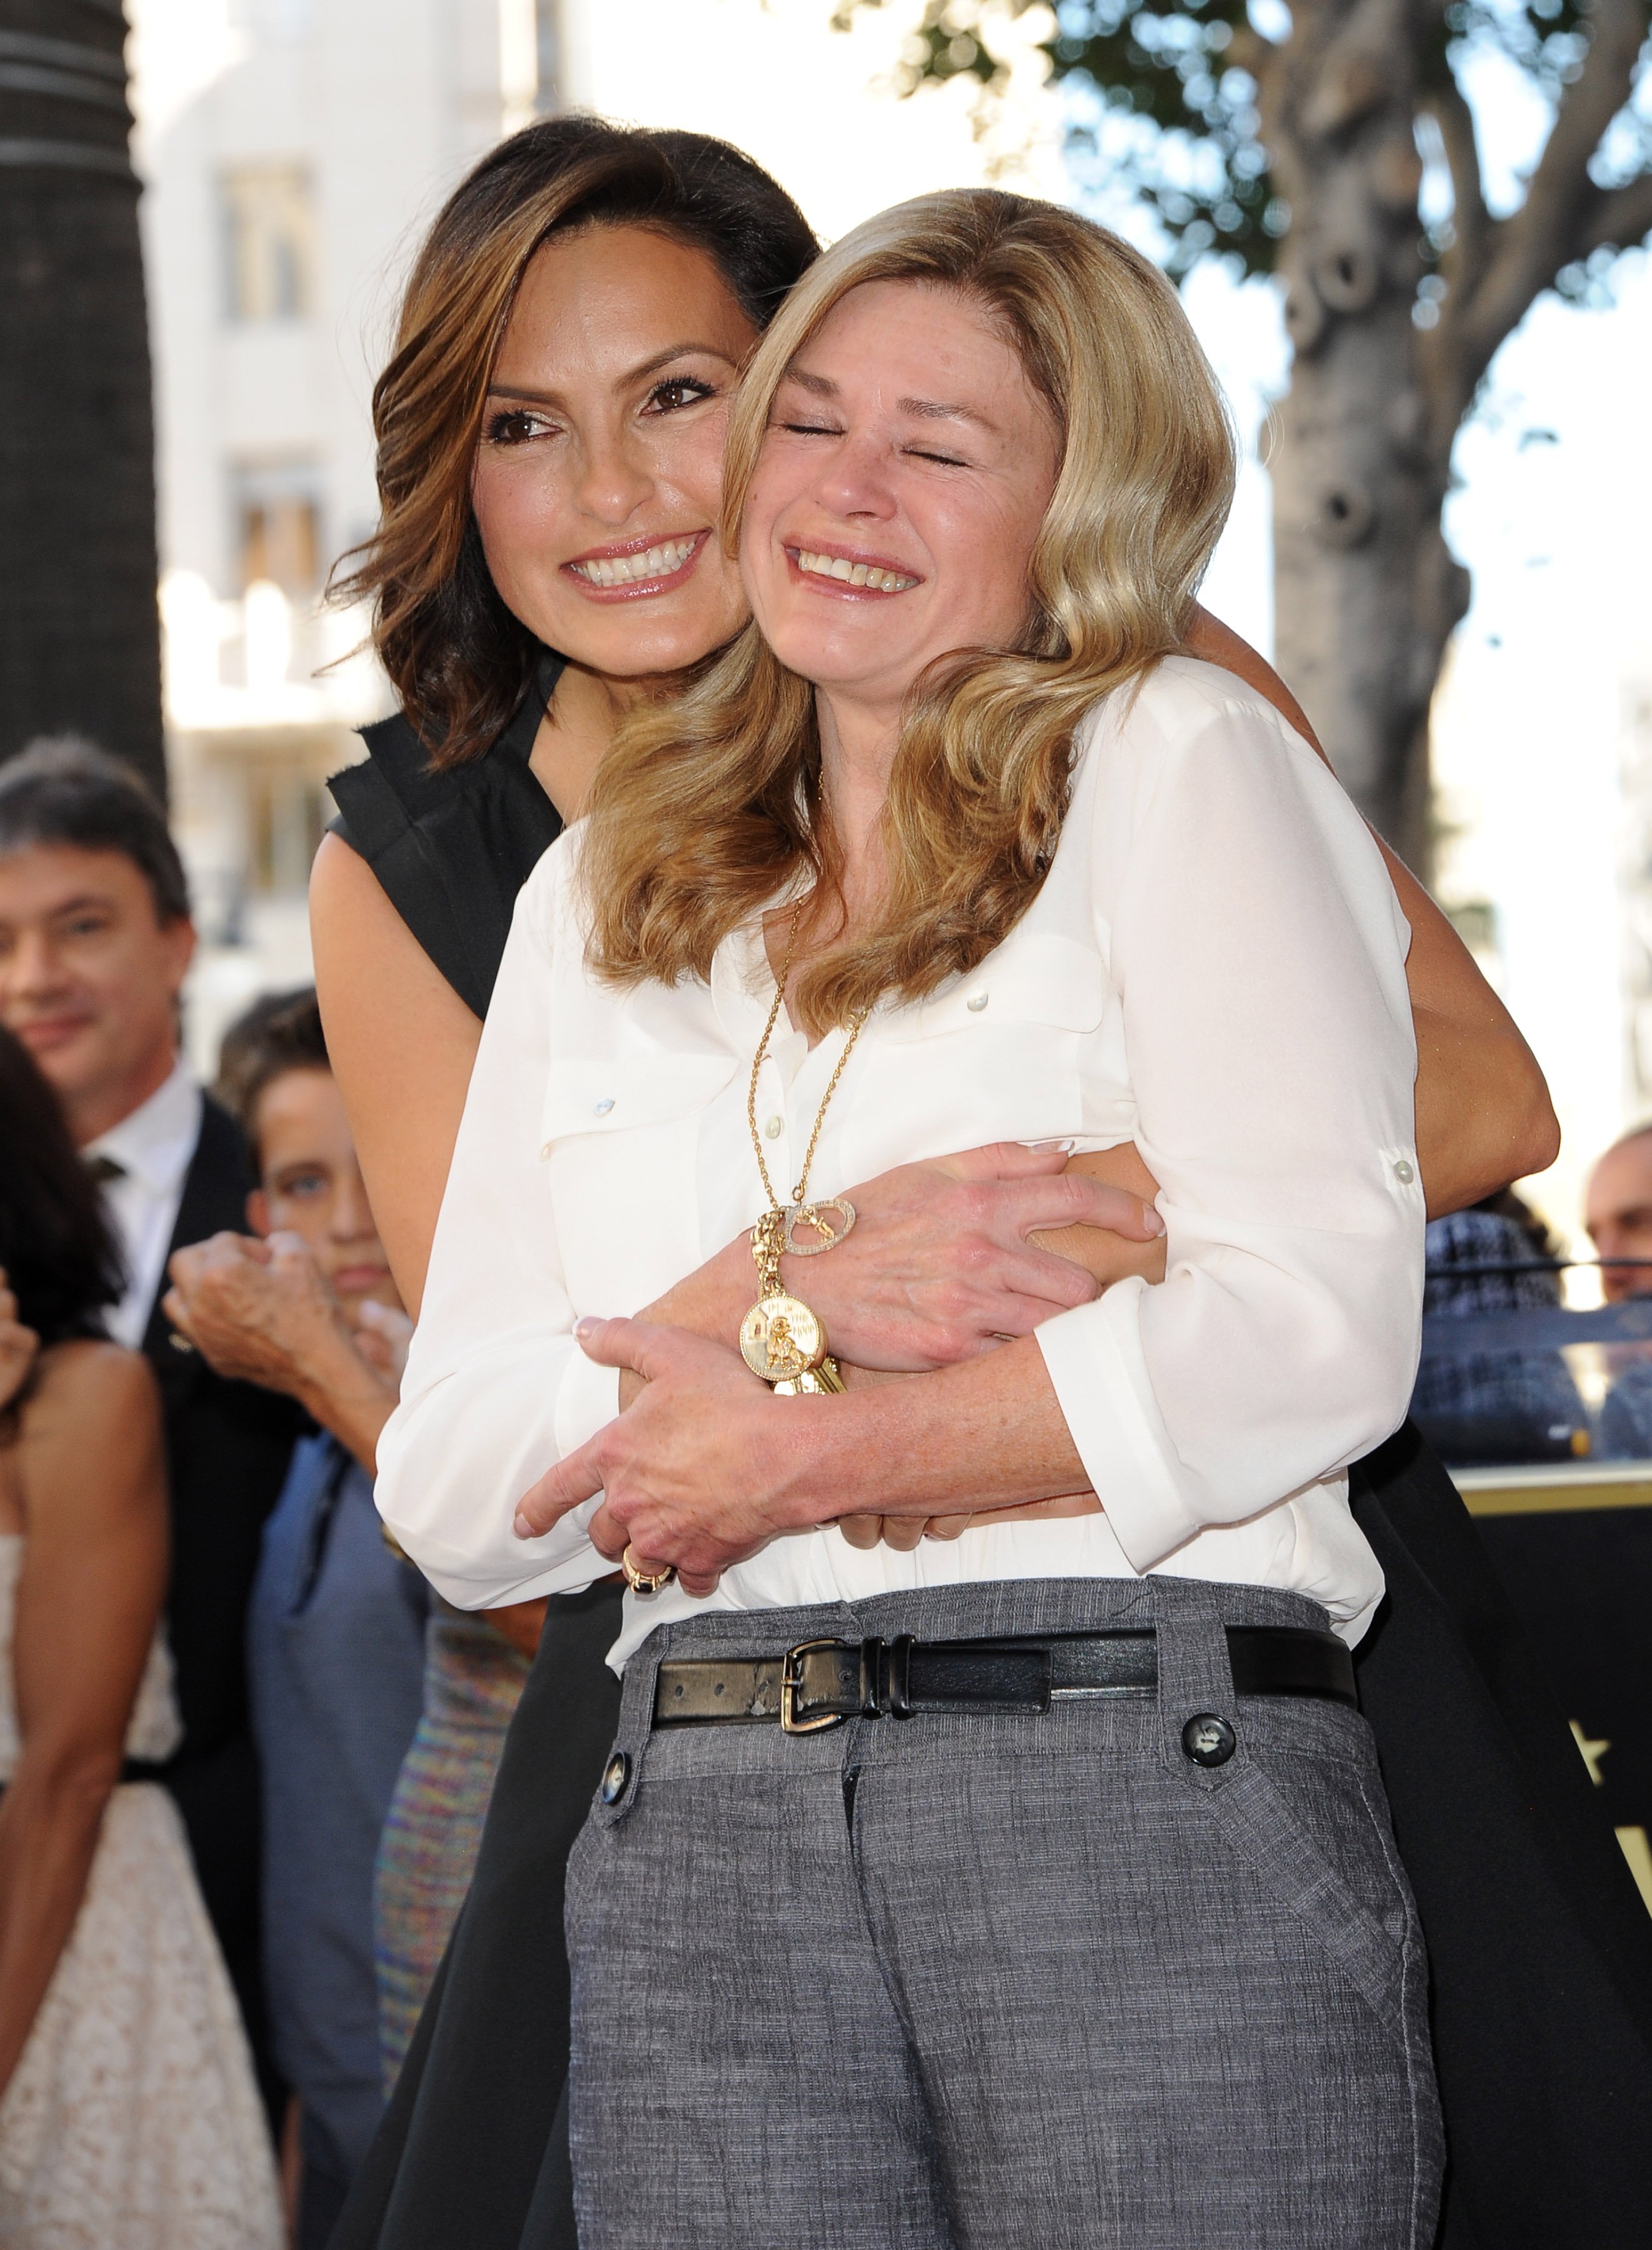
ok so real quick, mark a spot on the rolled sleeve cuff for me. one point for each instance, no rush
(587, 1402)
(1094, 1358)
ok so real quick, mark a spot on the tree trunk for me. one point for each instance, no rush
(79, 634)
(1366, 594)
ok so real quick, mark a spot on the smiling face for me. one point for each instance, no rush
(598, 473)
(309, 1184)
(89, 978)
(899, 493)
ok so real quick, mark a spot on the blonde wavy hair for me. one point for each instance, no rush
(706, 807)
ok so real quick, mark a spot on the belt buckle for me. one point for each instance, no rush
(791, 1679)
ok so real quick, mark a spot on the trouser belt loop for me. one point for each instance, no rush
(1197, 1703)
(897, 1693)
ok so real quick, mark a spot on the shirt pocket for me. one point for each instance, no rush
(620, 1135)
(996, 1057)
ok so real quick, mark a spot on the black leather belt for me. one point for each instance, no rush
(821, 1683)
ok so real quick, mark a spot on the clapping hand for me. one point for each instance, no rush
(256, 1311)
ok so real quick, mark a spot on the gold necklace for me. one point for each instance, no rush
(781, 1339)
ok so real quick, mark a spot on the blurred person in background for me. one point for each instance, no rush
(95, 938)
(1617, 1211)
(358, 1711)
(129, 2118)
(550, 434)
(1479, 1408)
(336, 1633)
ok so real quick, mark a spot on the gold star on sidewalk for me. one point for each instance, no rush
(1592, 1752)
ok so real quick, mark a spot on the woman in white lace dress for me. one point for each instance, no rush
(129, 2116)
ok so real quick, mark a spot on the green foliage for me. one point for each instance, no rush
(1168, 77)
(1164, 97)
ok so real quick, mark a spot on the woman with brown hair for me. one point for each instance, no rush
(953, 845)
(553, 414)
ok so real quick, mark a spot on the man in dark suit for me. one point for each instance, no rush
(95, 938)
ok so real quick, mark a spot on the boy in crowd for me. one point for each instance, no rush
(336, 1637)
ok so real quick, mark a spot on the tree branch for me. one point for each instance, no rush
(1549, 230)
(1471, 223)
(1622, 215)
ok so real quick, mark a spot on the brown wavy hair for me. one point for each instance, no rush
(704, 809)
(460, 660)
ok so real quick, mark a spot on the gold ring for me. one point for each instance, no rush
(646, 1581)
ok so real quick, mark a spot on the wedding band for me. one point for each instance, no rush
(646, 1581)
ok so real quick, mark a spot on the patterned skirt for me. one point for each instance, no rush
(474, 1679)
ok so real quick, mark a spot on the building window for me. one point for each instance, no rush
(278, 526)
(269, 234)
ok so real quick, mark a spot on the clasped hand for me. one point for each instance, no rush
(704, 1466)
(702, 1469)
(941, 1265)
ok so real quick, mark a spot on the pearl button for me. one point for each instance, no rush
(601, 1109)
(614, 1777)
(975, 1003)
(1404, 1172)
(774, 1127)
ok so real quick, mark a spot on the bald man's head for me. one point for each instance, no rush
(1618, 1213)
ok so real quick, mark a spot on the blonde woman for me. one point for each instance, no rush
(568, 345)
(1036, 1885)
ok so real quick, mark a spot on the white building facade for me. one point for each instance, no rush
(292, 152)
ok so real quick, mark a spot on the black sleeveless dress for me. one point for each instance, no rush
(1541, 1947)
(475, 2138)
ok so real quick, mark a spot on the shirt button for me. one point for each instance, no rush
(1209, 1740)
(1404, 1172)
(616, 1773)
(601, 1109)
(975, 1003)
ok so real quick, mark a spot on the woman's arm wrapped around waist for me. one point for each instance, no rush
(1253, 937)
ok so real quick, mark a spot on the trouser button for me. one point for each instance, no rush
(1209, 1740)
(616, 1773)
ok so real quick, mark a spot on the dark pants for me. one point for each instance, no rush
(469, 2152)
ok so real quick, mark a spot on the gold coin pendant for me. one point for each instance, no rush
(781, 1337)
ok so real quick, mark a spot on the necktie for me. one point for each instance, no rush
(105, 1169)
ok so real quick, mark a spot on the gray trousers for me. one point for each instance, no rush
(1006, 1981)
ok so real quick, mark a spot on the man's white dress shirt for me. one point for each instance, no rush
(1214, 967)
(153, 1147)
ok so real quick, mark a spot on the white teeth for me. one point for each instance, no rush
(632, 569)
(854, 574)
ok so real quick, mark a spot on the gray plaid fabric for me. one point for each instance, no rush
(992, 1983)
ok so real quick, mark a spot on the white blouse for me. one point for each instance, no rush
(1213, 968)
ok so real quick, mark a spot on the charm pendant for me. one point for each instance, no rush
(823, 1381)
(829, 1220)
(780, 1339)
